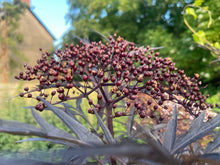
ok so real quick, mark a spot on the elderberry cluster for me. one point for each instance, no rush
(115, 71)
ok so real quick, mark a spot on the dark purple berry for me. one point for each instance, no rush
(99, 97)
(90, 102)
(133, 97)
(21, 94)
(161, 118)
(114, 106)
(91, 111)
(61, 96)
(118, 114)
(142, 114)
(53, 93)
(85, 78)
(29, 95)
(26, 88)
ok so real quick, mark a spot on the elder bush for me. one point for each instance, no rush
(117, 71)
(118, 65)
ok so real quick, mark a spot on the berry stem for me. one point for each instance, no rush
(110, 125)
(109, 118)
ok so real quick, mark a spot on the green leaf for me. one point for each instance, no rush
(196, 39)
(201, 33)
(198, 2)
(200, 37)
(192, 12)
(217, 45)
(206, 8)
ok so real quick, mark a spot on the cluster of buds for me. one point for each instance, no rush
(115, 71)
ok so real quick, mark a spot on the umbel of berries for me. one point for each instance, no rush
(116, 70)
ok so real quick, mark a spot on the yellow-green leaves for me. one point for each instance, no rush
(191, 11)
(217, 45)
(198, 2)
(201, 34)
(128, 5)
(199, 37)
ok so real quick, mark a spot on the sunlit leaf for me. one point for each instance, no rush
(217, 45)
(206, 8)
(199, 37)
(198, 2)
(192, 12)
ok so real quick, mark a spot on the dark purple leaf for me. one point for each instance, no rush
(81, 132)
(169, 136)
(105, 130)
(197, 132)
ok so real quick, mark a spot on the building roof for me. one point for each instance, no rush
(37, 18)
(44, 26)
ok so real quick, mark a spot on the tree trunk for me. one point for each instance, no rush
(4, 58)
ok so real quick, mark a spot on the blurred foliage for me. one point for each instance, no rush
(13, 110)
(203, 20)
(155, 23)
(11, 11)
(207, 25)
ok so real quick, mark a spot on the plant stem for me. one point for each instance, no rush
(109, 119)
(110, 125)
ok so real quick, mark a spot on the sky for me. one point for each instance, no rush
(52, 15)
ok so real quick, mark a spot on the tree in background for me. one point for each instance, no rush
(202, 19)
(146, 22)
(9, 15)
(205, 26)
(206, 34)
(133, 19)
(149, 22)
